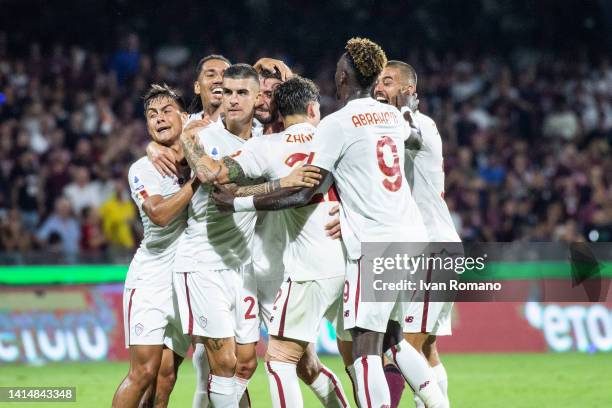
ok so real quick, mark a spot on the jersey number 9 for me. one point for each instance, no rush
(393, 173)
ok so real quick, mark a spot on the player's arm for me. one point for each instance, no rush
(162, 210)
(409, 105)
(414, 141)
(203, 166)
(228, 170)
(287, 197)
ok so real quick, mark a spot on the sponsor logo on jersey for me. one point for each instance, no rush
(138, 329)
(425, 384)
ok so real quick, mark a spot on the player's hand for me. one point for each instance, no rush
(223, 198)
(409, 101)
(271, 64)
(193, 128)
(163, 159)
(333, 227)
(302, 176)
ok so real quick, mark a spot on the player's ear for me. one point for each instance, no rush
(196, 87)
(343, 76)
(407, 89)
(184, 118)
(310, 110)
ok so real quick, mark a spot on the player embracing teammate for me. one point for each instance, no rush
(355, 161)
(365, 159)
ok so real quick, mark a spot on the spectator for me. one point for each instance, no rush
(82, 192)
(118, 215)
(13, 236)
(27, 194)
(61, 230)
(125, 60)
(504, 180)
(92, 237)
(561, 122)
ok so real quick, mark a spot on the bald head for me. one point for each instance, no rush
(407, 74)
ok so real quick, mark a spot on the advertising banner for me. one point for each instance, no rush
(40, 324)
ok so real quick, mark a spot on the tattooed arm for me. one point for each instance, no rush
(259, 187)
(272, 200)
(204, 167)
(228, 171)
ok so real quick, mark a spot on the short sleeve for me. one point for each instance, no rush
(253, 158)
(144, 182)
(328, 144)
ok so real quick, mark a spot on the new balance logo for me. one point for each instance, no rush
(425, 384)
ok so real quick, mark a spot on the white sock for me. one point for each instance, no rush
(241, 396)
(284, 385)
(440, 372)
(222, 392)
(372, 388)
(202, 369)
(328, 389)
(418, 374)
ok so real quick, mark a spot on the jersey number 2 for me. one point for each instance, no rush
(249, 313)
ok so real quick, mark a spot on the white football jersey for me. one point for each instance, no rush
(257, 129)
(215, 239)
(310, 253)
(427, 168)
(155, 257)
(362, 145)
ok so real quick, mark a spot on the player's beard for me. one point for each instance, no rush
(271, 117)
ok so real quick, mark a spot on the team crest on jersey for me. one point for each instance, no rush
(203, 321)
(138, 329)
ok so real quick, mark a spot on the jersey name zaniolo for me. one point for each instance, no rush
(310, 253)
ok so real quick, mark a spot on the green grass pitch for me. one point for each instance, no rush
(476, 380)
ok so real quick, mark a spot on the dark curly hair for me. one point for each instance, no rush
(367, 58)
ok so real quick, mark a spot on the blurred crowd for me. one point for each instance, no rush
(527, 142)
